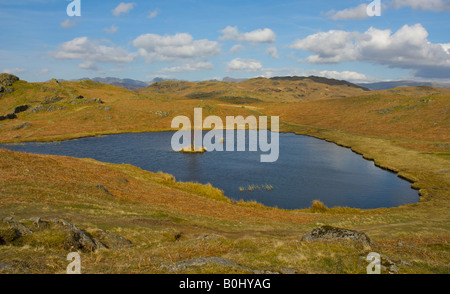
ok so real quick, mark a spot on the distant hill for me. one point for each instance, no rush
(396, 84)
(129, 84)
(322, 80)
(278, 89)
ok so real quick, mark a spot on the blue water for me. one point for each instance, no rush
(307, 169)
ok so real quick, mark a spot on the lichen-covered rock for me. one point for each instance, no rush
(334, 233)
(7, 80)
(108, 239)
(57, 232)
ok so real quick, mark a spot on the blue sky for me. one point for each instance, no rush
(201, 40)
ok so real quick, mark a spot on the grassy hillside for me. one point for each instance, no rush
(169, 224)
(187, 227)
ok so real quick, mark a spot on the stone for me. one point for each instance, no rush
(6, 267)
(108, 239)
(393, 268)
(7, 79)
(19, 228)
(334, 233)
(11, 116)
(25, 125)
(21, 108)
(77, 238)
(288, 271)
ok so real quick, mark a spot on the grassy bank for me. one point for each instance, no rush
(170, 223)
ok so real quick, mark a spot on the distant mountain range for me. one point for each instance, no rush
(396, 84)
(132, 84)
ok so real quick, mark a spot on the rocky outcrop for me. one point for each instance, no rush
(334, 233)
(7, 80)
(21, 108)
(13, 115)
(203, 261)
(8, 116)
(74, 238)
(25, 125)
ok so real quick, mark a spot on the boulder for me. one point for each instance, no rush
(334, 233)
(11, 116)
(108, 239)
(19, 228)
(25, 125)
(21, 108)
(11, 230)
(77, 239)
(7, 80)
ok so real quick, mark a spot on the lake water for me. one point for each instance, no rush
(307, 169)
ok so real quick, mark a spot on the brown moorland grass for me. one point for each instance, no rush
(403, 130)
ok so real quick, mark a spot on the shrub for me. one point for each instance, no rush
(318, 207)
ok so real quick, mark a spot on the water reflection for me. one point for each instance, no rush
(307, 169)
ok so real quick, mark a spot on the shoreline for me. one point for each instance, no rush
(299, 132)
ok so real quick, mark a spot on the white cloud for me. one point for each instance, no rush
(123, 8)
(343, 75)
(249, 65)
(174, 47)
(89, 65)
(14, 71)
(257, 36)
(354, 13)
(92, 52)
(199, 66)
(68, 24)
(430, 5)
(408, 48)
(236, 48)
(272, 51)
(112, 29)
(153, 14)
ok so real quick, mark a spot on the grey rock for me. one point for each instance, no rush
(288, 271)
(334, 233)
(202, 261)
(25, 125)
(18, 228)
(393, 268)
(209, 237)
(108, 239)
(78, 239)
(7, 80)
(6, 267)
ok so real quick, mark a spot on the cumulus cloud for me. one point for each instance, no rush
(249, 65)
(408, 48)
(67, 24)
(236, 48)
(176, 47)
(257, 36)
(354, 13)
(341, 75)
(92, 52)
(272, 51)
(14, 71)
(112, 29)
(199, 66)
(123, 8)
(153, 14)
(428, 5)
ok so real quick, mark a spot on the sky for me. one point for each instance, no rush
(196, 40)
